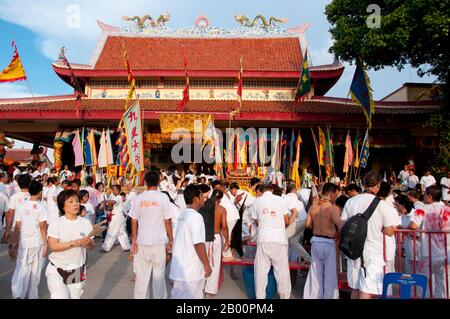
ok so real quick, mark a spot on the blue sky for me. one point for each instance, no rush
(40, 28)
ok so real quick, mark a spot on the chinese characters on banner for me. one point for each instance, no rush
(132, 122)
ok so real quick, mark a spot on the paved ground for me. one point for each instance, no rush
(108, 277)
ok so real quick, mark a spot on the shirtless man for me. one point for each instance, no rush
(214, 248)
(325, 221)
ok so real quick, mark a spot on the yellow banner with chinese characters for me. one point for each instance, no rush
(171, 122)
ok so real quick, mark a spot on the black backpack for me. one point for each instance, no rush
(354, 232)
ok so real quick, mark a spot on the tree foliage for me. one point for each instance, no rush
(412, 32)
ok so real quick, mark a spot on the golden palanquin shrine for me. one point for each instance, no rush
(272, 61)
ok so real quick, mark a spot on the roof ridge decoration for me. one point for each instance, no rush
(146, 26)
(140, 21)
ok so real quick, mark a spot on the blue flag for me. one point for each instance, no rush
(361, 93)
(87, 150)
(364, 151)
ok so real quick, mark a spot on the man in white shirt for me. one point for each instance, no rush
(412, 180)
(298, 218)
(50, 200)
(427, 180)
(445, 184)
(232, 215)
(4, 201)
(93, 198)
(367, 279)
(4, 183)
(16, 170)
(403, 175)
(44, 169)
(190, 265)
(335, 179)
(36, 174)
(65, 174)
(433, 217)
(15, 201)
(272, 216)
(249, 229)
(151, 230)
(131, 193)
(116, 227)
(31, 228)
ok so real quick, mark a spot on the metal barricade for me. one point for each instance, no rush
(420, 261)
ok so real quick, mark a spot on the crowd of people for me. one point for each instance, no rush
(188, 224)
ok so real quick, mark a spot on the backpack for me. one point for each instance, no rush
(354, 232)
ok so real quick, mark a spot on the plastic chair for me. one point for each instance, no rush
(406, 282)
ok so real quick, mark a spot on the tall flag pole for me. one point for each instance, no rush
(316, 146)
(185, 98)
(361, 93)
(356, 152)
(280, 151)
(239, 88)
(304, 83)
(285, 158)
(73, 80)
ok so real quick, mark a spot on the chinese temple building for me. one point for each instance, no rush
(272, 61)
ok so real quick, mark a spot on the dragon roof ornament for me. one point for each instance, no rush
(147, 26)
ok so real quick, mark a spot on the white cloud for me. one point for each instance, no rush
(71, 23)
(10, 90)
(321, 55)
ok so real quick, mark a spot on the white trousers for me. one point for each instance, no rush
(116, 230)
(294, 232)
(188, 289)
(276, 255)
(214, 251)
(227, 253)
(438, 276)
(150, 260)
(58, 289)
(27, 275)
(322, 281)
